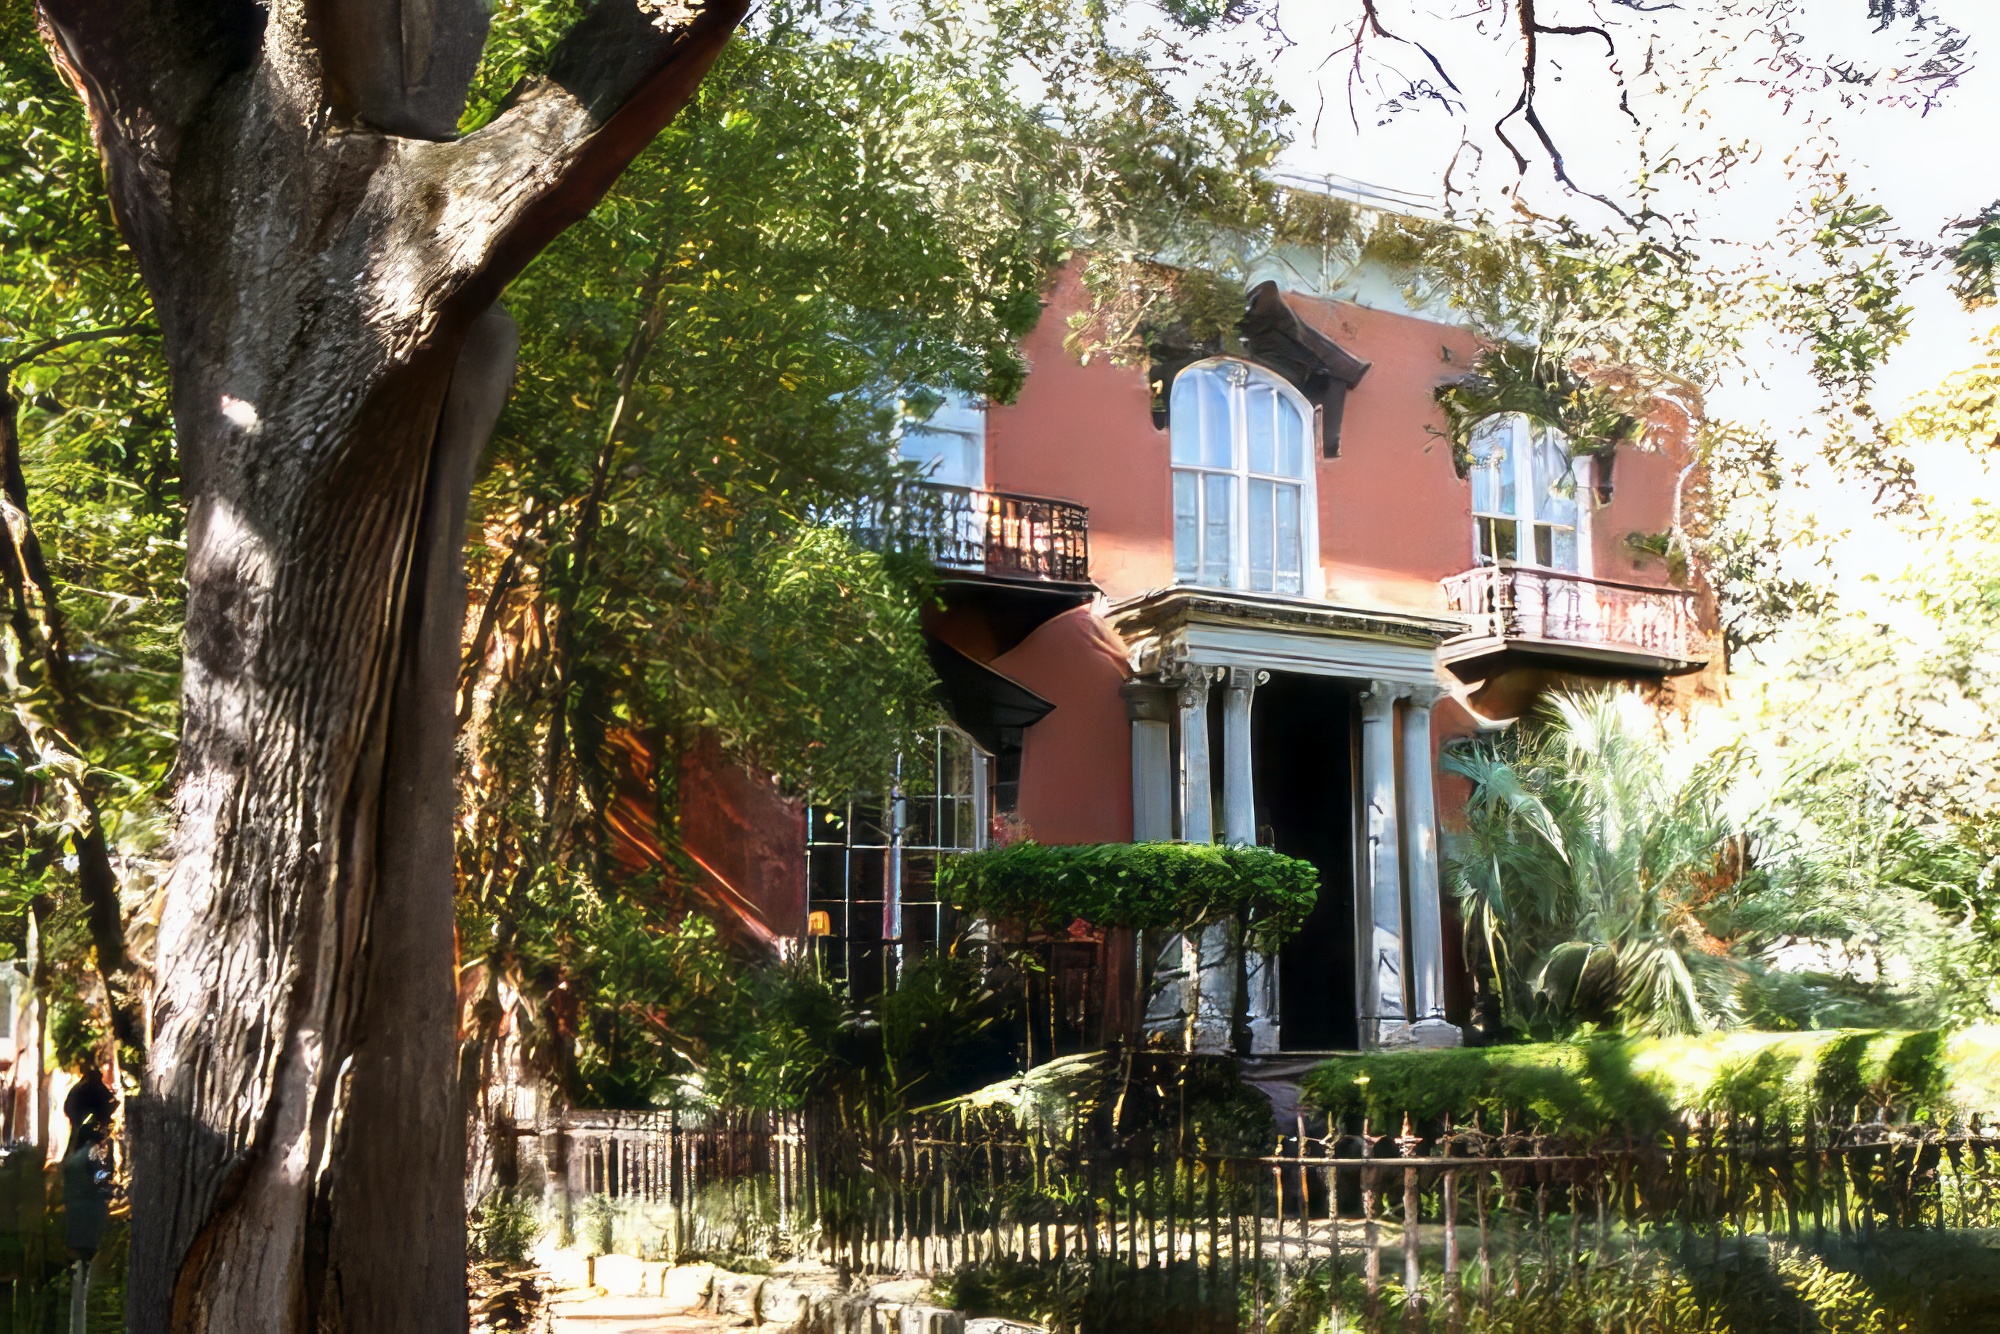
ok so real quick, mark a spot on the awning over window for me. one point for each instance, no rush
(981, 701)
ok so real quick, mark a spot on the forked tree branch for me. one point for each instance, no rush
(1532, 31)
(615, 80)
(144, 69)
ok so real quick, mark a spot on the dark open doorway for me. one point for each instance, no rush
(1302, 740)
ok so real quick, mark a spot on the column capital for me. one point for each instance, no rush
(1378, 701)
(1190, 681)
(1245, 678)
(1424, 696)
(1148, 700)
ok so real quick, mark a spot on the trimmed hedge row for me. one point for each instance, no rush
(1168, 886)
(1603, 1084)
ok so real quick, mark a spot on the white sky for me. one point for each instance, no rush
(1928, 164)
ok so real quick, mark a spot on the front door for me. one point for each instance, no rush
(1305, 733)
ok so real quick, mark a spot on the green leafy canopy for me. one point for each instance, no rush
(1165, 886)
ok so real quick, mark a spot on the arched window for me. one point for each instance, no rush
(1243, 515)
(1524, 488)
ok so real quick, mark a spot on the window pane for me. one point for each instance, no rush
(1218, 440)
(1198, 417)
(1260, 405)
(1561, 543)
(1184, 418)
(1290, 556)
(1187, 526)
(1261, 536)
(1496, 538)
(1291, 439)
(1555, 479)
(1493, 466)
(1219, 512)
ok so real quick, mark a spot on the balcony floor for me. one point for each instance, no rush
(1479, 656)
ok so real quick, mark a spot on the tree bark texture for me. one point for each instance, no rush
(324, 256)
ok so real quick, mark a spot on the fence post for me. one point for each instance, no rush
(555, 1158)
(1371, 1235)
(1448, 1210)
(1407, 1144)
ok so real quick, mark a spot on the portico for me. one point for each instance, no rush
(1200, 659)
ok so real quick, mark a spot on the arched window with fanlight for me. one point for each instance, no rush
(1524, 495)
(1242, 471)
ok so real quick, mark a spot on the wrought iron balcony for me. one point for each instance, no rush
(1555, 614)
(993, 533)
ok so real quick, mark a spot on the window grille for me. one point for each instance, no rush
(1524, 494)
(871, 864)
(1242, 480)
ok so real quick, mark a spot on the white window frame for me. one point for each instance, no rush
(956, 424)
(1520, 457)
(1311, 577)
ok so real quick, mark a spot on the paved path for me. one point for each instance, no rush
(631, 1315)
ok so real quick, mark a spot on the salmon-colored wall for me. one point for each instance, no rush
(1076, 763)
(1086, 434)
(1394, 515)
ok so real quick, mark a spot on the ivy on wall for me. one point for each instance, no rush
(1165, 886)
(1510, 378)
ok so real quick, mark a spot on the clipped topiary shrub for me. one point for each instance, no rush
(1165, 886)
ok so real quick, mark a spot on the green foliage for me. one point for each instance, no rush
(104, 497)
(1878, 731)
(1615, 870)
(1663, 1285)
(859, 209)
(76, 1034)
(1512, 378)
(503, 1227)
(1853, 317)
(1597, 866)
(1603, 1084)
(1050, 1293)
(1168, 886)
(1976, 259)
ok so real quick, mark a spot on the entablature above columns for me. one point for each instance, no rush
(1171, 631)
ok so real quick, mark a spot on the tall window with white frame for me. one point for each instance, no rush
(1243, 500)
(1524, 495)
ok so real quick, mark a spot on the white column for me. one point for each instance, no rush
(1207, 960)
(1197, 812)
(1239, 825)
(1379, 902)
(1173, 1001)
(1239, 796)
(1150, 706)
(982, 803)
(1426, 901)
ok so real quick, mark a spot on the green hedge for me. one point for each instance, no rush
(1169, 886)
(1602, 1083)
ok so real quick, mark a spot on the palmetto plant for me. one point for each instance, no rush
(1599, 868)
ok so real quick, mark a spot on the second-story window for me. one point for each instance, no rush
(1523, 493)
(948, 446)
(1242, 479)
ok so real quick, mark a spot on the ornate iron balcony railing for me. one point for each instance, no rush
(1522, 603)
(985, 532)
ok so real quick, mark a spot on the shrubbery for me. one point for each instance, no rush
(1605, 1083)
(1165, 886)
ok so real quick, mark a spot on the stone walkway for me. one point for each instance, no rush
(581, 1314)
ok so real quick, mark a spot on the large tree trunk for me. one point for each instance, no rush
(324, 259)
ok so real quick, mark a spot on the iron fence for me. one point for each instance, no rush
(1427, 1225)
